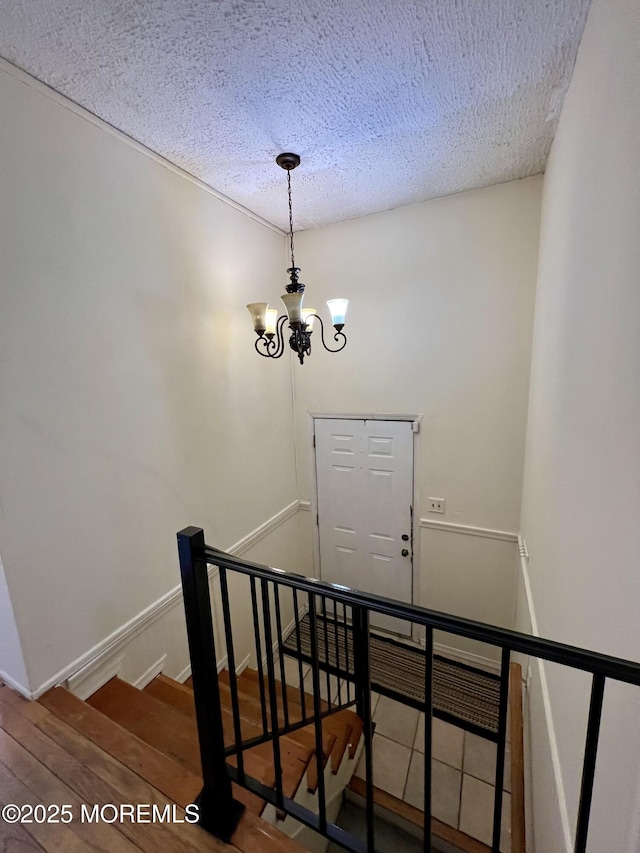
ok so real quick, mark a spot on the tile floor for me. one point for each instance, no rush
(463, 764)
(463, 769)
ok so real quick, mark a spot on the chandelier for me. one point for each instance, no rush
(270, 328)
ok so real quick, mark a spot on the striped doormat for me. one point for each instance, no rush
(462, 695)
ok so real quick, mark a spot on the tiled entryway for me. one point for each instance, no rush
(463, 770)
(463, 764)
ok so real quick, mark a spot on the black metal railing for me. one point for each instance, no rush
(270, 591)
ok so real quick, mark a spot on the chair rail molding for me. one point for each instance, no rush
(447, 526)
(468, 530)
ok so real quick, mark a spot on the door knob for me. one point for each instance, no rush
(405, 553)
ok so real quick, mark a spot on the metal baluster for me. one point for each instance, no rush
(219, 812)
(231, 663)
(326, 648)
(346, 650)
(256, 633)
(273, 699)
(428, 734)
(337, 648)
(502, 741)
(317, 722)
(589, 765)
(283, 680)
(303, 698)
(362, 671)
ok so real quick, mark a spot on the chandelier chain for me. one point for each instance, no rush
(293, 263)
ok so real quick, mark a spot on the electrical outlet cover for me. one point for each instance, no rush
(436, 504)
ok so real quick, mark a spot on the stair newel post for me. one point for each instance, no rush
(219, 812)
(362, 678)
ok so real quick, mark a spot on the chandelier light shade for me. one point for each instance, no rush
(338, 309)
(269, 327)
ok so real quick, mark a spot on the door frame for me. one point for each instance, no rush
(416, 421)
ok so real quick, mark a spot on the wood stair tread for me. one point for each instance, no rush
(250, 708)
(179, 783)
(340, 730)
(169, 731)
(175, 733)
(169, 778)
(249, 682)
(182, 699)
(150, 720)
(142, 713)
(58, 764)
(344, 727)
(253, 706)
(176, 781)
(172, 693)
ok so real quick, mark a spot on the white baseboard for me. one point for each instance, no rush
(5, 678)
(148, 676)
(546, 700)
(244, 663)
(96, 657)
(181, 677)
(106, 659)
(224, 664)
(478, 661)
(94, 675)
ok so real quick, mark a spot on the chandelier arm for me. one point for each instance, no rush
(263, 347)
(338, 336)
(272, 348)
(282, 319)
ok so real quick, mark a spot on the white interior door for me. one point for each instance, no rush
(364, 475)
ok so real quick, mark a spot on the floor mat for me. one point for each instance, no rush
(463, 695)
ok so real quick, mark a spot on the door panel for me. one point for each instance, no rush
(364, 472)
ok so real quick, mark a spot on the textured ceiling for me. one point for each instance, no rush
(388, 102)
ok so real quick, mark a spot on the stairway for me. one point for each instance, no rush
(153, 733)
(60, 750)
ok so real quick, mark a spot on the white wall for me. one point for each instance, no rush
(12, 668)
(439, 323)
(581, 505)
(133, 403)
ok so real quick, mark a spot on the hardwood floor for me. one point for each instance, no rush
(61, 750)
(43, 760)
